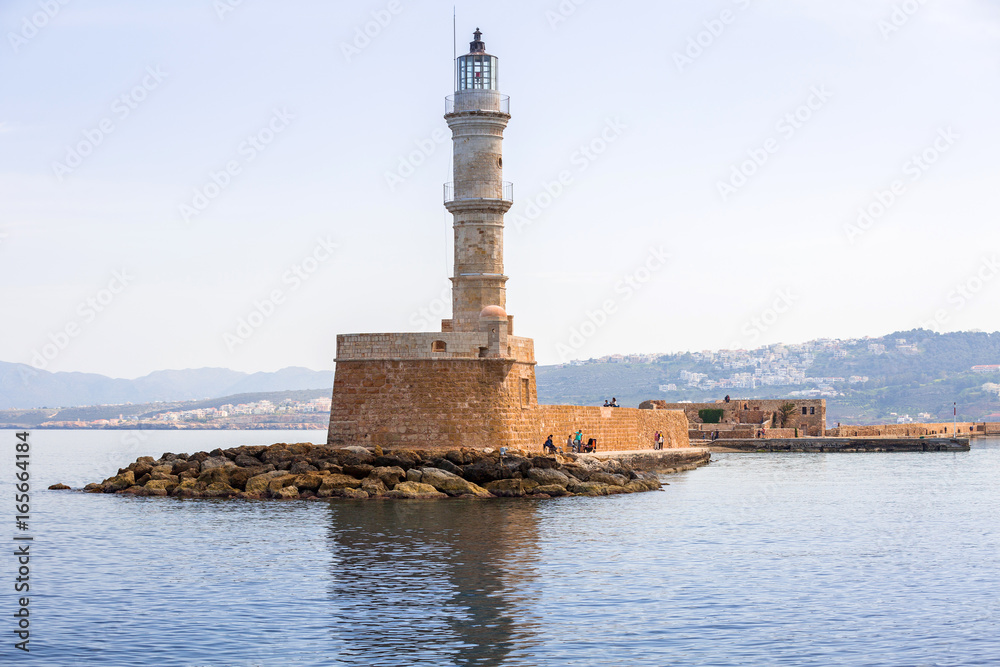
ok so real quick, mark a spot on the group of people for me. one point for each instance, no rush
(658, 440)
(613, 403)
(574, 443)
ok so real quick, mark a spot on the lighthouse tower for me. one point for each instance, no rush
(478, 197)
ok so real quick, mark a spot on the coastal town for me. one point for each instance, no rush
(289, 414)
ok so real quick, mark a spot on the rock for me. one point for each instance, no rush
(511, 488)
(484, 471)
(141, 469)
(173, 479)
(301, 467)
(300, 448)
(216, 462)
(134, 491)
(181, 465)
(286, 493)
(550, 490)
(360, 470)
(188, 488)
(59, 487)
(93, 487)
(218, 474)
(333, 483)
(352, 494)
(119, 482)
(389, 476)
(142, 480)
(548, 477)
(577, 471)
(447, 466)
(373, 486)
(238, 478)
(219, 490)
(413, 475)
(189, 474)
(544, 463)
(588, 488)
(246, 461)
(145, 459)
(259, 483)
(415, 490)
(451, 483)
(280, 481)
(608, 478)
(161, 470)
(309, 482)
(458, 457)
(160, 485)
(399, 458)
(274, 455)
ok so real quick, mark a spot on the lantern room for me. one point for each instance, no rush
(478, 70)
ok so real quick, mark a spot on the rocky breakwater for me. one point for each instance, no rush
(306, 471)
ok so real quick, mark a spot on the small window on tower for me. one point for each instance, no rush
(500, 162)
(439, 346)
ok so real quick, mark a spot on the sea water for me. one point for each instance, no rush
(756, 559)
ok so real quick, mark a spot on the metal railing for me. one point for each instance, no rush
(477, 100)
(470, 190)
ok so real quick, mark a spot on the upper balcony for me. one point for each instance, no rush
(477, 100)
(475, 191)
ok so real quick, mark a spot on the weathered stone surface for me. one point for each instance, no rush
(216, 462)
(511, 488)
(399, 458)
(333, 483)
(446, 465)
(548, 477)
(285, 493)
(374, 487)
(58, 487)
(301, 467)
(608, 478)
(451, 483)
(246, 461)
(414, 475)
(551, 490)
(415, 490)
(279, 482)
(588, 488)
(94, 487)
(119, 482)
(389, 476)
(218, 474)
(359, 470)
(160, 484)
(309, 482)
(486, 470)
(351, 494)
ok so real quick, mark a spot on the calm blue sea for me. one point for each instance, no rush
(777, 559)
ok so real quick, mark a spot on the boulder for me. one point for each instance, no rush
(93, 487)
(413, 475)
(351, 494)
(279, 482)
(190, 473)
(166, 469)
(285, 493)
(119, 482)
(141, 469)
(160, 485)
(246, 461)
(608, 478)
(218, 474)
(216, 462)
(511, 488)
(548, 477)
(588, 488)
(452, 484)
(59, 487)
(359, 470)
(145, 459)
(260, 483)
(415, 490)
(173, 479)
(333, 483)
(302, 467)
(447, 466)
(373, 486)
(354, 456)
(544, 463)
(309, 482)
(390, 476)
(551, 490)
(239, 477)
(275, 454)
(300, 448)
(485, 470)
(399, 458)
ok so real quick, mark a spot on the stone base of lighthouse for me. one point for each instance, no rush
(434, 391)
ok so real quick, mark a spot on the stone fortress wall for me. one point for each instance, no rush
(743, 414)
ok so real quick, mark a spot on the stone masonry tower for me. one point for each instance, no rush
(478, 198)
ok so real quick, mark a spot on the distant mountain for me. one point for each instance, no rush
(24, 387)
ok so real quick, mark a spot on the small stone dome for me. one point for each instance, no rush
(493, 311)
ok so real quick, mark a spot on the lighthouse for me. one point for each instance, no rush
(472, 384)
(477, 197)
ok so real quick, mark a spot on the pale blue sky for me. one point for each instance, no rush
(677, 133)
